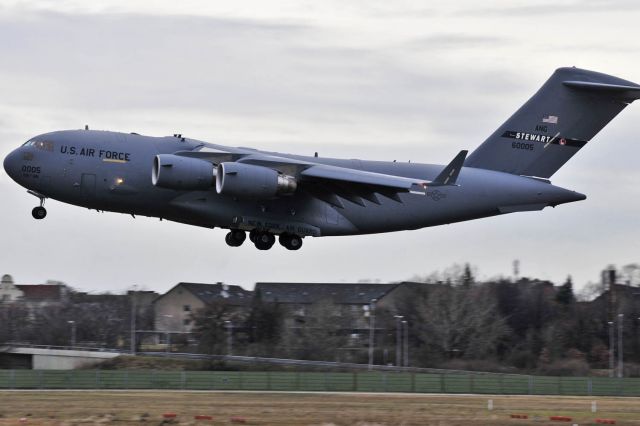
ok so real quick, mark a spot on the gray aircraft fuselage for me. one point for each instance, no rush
(289, 196)
(112, 172)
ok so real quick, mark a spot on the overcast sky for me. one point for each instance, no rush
(382, 80)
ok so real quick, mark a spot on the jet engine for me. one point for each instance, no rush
(176, 172)
(249, 181)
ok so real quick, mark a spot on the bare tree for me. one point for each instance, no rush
(456, 274)
(319, 334)
(210, 329)
(461, 320)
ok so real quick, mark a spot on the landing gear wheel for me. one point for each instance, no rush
(290, 242)
(39, 212)
(252, 235)
(235, 237)
(239, 236)
(264, 240)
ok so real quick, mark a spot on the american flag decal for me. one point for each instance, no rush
(551, 119)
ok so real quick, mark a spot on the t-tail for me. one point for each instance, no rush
(569, 110)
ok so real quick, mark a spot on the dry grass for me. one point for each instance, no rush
(132, 408)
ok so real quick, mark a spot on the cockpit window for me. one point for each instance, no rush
(40, 144)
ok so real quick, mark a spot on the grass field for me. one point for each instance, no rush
(140, 407)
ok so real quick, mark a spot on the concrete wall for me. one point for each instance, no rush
(55, 359)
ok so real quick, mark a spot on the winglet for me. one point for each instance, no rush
(449, 175)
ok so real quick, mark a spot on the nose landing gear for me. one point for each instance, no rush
(39, 212)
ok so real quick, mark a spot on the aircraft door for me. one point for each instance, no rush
(88, 186)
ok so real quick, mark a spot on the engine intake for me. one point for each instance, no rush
(249, 181)
(176, 172)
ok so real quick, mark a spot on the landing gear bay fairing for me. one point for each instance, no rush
(269, 195)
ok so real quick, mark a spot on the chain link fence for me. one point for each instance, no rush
(319, 381)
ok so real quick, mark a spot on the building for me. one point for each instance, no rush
(8, 290)
(401, 293)
(353, 299)
(34, 295)
(174, 310)
(617, 299)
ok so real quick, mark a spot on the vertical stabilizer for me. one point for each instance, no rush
(567, 111)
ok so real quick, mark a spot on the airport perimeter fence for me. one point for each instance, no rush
(319, 381)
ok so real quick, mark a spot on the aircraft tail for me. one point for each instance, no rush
(567, 111)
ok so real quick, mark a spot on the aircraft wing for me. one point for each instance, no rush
(214, 156)
(359, 177)
(332, 183)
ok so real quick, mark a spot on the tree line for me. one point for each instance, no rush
(97, 320)
(453, 321)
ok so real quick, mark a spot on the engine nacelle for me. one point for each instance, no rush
(176, 172)
(249, 181)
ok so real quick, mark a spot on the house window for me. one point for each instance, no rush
(186, 308)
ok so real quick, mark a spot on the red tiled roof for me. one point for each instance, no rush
(41, 292)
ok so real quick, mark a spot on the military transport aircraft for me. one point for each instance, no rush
(269, 194)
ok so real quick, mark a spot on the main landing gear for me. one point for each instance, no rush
(39, 212)
(290, 241)
(263, 240)
(235, 238)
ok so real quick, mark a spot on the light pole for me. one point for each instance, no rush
(229, 326)
(133, 321)
(620, 348)
(611, 356)
(398, 340)
(406, 343)
(167, 333)
(73, 333)
(372, 324)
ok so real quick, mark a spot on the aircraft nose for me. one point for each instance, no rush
(11, 164)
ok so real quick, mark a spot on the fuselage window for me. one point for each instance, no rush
(45, 145)
(42, 145)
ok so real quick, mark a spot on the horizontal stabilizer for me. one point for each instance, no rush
(449, 175)
(631, 92)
